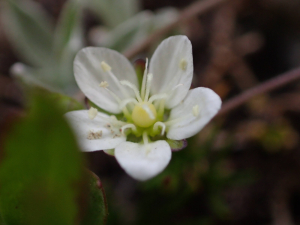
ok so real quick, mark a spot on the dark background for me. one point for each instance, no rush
(244, 167)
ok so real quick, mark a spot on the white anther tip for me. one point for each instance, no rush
(196, 110)
(105, 67)
(103, 84)
(183, 64)
(92, 113)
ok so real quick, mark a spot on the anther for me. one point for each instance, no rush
(105, 67)
(183, 64)
(196, 110)
(92, 113)
(103, 84)
(94, 135)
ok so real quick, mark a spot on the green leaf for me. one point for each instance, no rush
(68, 35)
(42, 169)
(96, 211)
(68, 40)
(114, 12)
(129, 32)
(29, 29)
(49, 77)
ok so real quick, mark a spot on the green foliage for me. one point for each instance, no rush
(134, 29)
(40, 169)
(29, 27)
(42, 175)
(96, 212)
(49, 50)
(195, 174)
(114, 12)
(65, 102)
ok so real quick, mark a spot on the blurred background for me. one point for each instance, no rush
(242, 168)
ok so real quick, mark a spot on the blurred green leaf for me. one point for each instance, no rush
(114, 12)
(64, 102)
(96, 212)
(133, 30)
(34, 77)
(129, 32)
(29, 29)
(68, 34)
(68, 41)
(41, 171)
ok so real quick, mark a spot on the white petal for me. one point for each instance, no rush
(172, 64)
(208, 103)
(106, 137)
(143, 162)
(89, 74)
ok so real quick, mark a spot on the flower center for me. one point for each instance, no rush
(144, 114)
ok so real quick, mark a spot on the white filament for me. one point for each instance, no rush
(128, 126)
(133, 87)
(160, 124)
(144, 80)
(126, 101)
(148, 85)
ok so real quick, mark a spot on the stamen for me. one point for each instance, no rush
(196, 110)
(112, 94)
(133, 87)
(161, 109)
(94, 135)
(113, 120)
(146, 141)
(156, 97)
(103, 84)
(148, 111)
(92, 113)
(162, 125)
(128, 126)
(183, 64)
(126, 101)
(148, 85)
(163, 95)
(144, 80)
(105, 67)
(145, 138)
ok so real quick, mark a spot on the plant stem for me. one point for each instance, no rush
(264, 87)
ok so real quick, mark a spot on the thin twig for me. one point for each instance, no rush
(191, 11)
(264, 87)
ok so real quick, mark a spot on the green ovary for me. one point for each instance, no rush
(141, 117)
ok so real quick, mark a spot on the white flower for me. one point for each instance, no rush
(163, 108)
